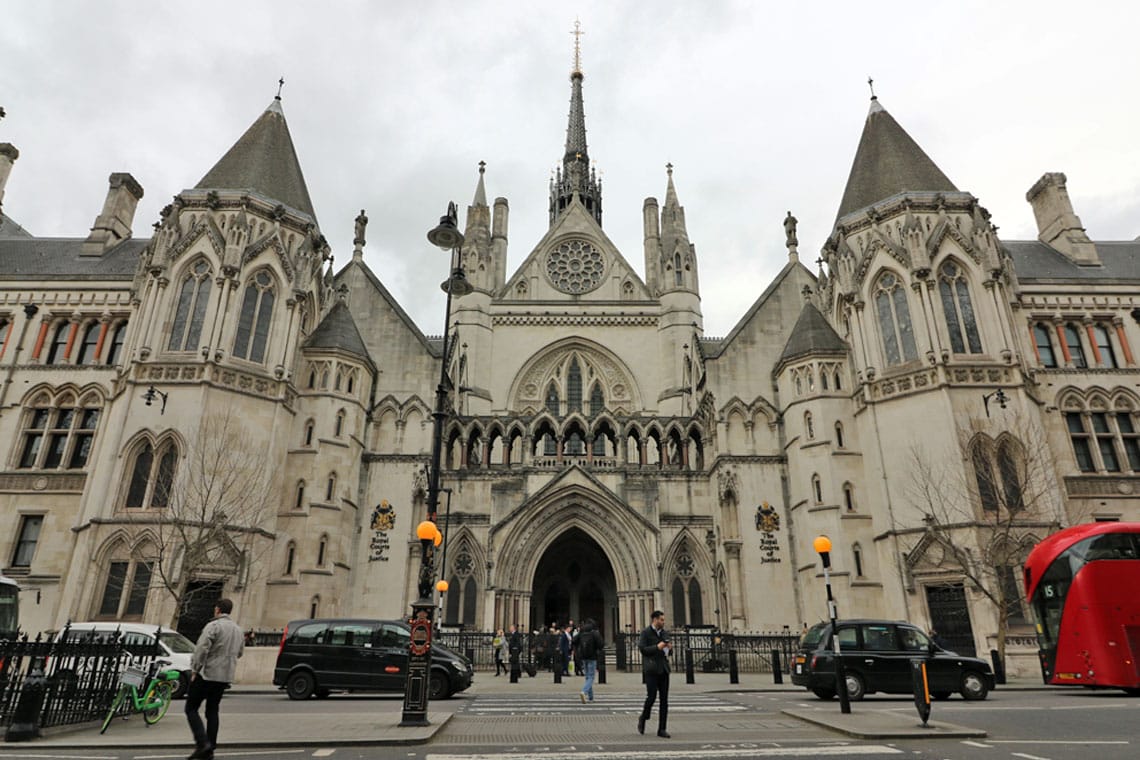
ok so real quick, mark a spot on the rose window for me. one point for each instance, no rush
(575, 267)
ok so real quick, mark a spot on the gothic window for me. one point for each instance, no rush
(253, 321)
(574, 387)
(1080, 439)
(998, 486)
(816, 489)
(60, 435)
(308, 438)
(1076, 350)
(1008, 466)
(462, 593)
(894, 320)
(810, 374)
(1130, 439)
(28, 537)
(849, 497)
(809, 426)
(58, 343)
(115, 350)
(125, 590)
(1010, 578)
(958, 309)
(838, 386)
(838, 435)
(330, 488)
(290, 557)
(575, 444)
(5, 331)
(1044, 344)
(823, 379)
(152, 476)
(322, 550)
(857, 555)
(299, 502)
(552, 401)
(597, 400)
(190, 312)
(687, 606)
(677, 275)
(314, 606)
(799, 385)
(338, 427)
(88, 343)
(574, 267)
(1104, 346)
(984, 477)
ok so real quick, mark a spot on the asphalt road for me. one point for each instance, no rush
(1022, 725)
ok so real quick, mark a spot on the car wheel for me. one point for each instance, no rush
(300, 685)
(941, 696)
(856, 688)
(437, 686)
(974, 686)
(824, 693)
(181, 686)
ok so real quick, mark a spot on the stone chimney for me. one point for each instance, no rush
(8, 156)
(114, 225)
(1057, 225)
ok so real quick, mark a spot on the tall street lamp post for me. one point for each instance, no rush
(822, 545)
(447, 236)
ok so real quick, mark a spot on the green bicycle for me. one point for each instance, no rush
(156, 697)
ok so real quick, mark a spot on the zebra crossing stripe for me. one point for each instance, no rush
(639, 753)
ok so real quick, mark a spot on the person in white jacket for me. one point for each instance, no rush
(212, 669)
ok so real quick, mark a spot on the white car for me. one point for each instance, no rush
(172, 645)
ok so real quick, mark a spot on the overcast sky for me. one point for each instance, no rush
(392, 105)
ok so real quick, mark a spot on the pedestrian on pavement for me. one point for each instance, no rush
(655, 649)
(564, 642)
(514, 649)
(588, 649)
(212, 669)
(497, 644)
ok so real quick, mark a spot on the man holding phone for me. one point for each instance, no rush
(655, 649)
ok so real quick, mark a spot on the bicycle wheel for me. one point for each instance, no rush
(159, 697)
(114, 708)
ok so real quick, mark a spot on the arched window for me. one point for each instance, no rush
(677, 276)
(809, 426)
(1076, 349)
(59, 436)
(574, 387)
(339, 428)
(58, 343)
(88, 344)
(552, 401)
(115, 350)
(290, 557)
(322, 550)
(125, 588)
(984, 476)
(849, 497)
(799, 385)
(597, 400)
(191, 309)
(152, 476)
(308, 433)
(823, 379)
(894, 320)
(1008, 465)
(857, 555)
(838, 435)
(314, 606)
(330, 488)
(1044, 345)
(838, 385)
(817, 489)
(299, 502)
(253, 322)
(958, 309)
(1104, 346)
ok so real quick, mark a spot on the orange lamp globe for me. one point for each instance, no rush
(821, 544)
(441, 586)
(437, 539)
(426, 531)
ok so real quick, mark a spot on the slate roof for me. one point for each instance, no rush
(887, 162)
(263, 159)
(338, 330)
(9, 228)
(811, 334)
(59, 259)
(1035, 261)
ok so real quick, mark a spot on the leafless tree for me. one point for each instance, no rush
(985, 505)
(218, 511)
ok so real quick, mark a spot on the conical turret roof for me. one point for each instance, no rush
(338, 331)
(812, 334)
(888, 162)
(263, 159)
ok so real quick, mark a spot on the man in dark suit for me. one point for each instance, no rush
(655, 649)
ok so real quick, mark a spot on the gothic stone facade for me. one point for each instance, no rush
(603, 457)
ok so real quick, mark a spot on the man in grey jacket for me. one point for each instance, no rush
(212, 669)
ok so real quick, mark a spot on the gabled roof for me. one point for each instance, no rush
(812, 334)
(714, 348)
(338, 331)
(887, 162)
(263, 159)
(434, 345)
(9, 228)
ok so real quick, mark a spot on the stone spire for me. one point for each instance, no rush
(887, 162)
(477, 255)
(263, 160)
(678, 255)
(576, 177)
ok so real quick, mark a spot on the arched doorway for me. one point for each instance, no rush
(574, 581)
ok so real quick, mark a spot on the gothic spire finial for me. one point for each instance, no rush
(577, 47)
(280, 84)
(871, 84)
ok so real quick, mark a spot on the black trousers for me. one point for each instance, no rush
(209, 692)
(656, 683)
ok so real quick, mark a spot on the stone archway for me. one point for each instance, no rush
(574, 580)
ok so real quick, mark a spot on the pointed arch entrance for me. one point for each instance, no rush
(574, 580)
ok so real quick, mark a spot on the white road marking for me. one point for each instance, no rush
(977, 744)
(323, 752)
(1028, 757)
(1055, 741)
(229, 753)
(65, 757)
(639, 753)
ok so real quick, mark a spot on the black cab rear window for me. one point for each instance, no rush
(309, 633)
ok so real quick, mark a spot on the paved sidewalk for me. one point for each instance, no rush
(257, 725)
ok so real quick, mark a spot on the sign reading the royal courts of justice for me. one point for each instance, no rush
(383, 520)
(768, 523)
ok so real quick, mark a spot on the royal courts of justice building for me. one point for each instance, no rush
(930, 396)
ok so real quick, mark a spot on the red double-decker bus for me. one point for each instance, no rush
(1083, 584)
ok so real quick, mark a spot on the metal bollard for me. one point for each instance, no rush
(25, 723)
(777, 675)
(601, 666)
(619, 653)
(470, 655)
(557, 666)
(733, 671)
(689, 666)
